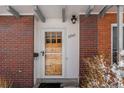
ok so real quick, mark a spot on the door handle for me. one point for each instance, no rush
(43, 53)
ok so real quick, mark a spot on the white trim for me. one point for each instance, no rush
(112, 25)
(42, 68)
(115, 24)
(33, 14)
(91, 13)
(96, 13)
(21, 14)
(78, 49)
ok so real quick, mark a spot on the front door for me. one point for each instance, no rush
(53, 53)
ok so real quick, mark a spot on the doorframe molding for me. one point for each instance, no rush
(64, 39)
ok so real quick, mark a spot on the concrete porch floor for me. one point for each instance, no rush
(65, 82)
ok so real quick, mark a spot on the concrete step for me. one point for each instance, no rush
(65, 82)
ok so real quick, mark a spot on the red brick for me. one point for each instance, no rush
(95, 36)
(88, 41)
(16, 49)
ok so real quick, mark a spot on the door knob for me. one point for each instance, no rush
(43, 53)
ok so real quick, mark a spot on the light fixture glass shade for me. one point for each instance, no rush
(73, 19)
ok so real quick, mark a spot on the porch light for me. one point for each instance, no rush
(73, 19)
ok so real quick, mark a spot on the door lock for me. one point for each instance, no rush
(43, 53)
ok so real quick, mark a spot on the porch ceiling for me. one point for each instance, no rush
(55, 11)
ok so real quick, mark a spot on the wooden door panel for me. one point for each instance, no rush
(53, 53)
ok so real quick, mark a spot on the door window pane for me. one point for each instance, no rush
(53, 35)
(47, 40)
(59, 41)
(115, 38)
(53, 40)
(59, 35)
(47, 35)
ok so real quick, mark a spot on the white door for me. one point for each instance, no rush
(52, 53)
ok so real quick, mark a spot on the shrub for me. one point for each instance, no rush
(99, 73)
(4, 83)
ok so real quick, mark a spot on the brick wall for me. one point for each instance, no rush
(16, 50)
(88, 41)
(100, 28)
(104, 33)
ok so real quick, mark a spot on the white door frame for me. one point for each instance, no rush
(42, 47)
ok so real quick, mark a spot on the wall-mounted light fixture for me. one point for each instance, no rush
(73, 19)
